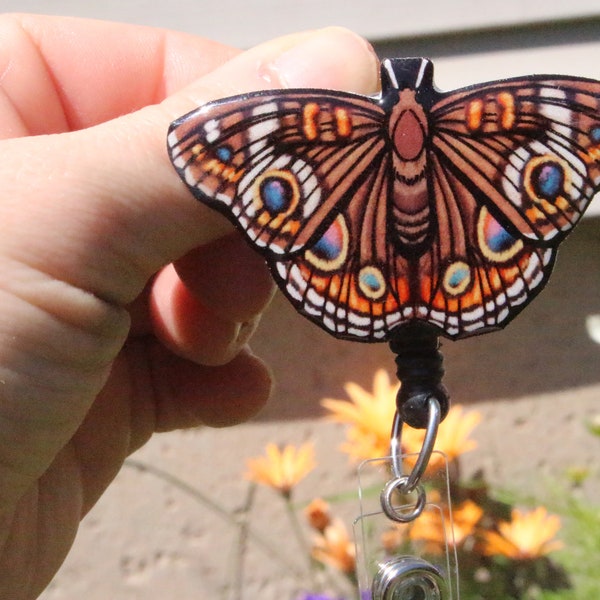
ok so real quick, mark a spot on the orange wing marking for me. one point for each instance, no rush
(343, 122)
(593, 154)
(218, 169)
(507, 115)
(474, 114)
(310, 126)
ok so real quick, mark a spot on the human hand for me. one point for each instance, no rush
(126, 305)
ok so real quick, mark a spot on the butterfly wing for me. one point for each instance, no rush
(513, 166)
(306, 175)
(350, 280)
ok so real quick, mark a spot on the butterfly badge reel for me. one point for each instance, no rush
(401, 218)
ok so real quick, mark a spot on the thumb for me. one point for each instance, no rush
(88, 217)
(103, 209)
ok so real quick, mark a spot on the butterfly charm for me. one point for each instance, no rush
(415, 206)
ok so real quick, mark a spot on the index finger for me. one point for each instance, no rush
(62, 74)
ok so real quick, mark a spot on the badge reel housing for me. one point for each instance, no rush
(394, 560)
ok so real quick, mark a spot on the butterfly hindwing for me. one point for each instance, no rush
(344, 280)
(477, 275)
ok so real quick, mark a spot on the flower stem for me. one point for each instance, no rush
(240, 547)
(301, 538)
(262, 543)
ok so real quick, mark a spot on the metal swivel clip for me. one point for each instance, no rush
(409, 577)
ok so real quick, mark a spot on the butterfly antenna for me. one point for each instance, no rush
(419, 367)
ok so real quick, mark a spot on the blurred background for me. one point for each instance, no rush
(537, 383)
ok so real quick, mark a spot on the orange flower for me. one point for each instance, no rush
(370, 416)
(335, 548)
(452, 438)
(282, 469)
(318, 514)
(393, 538)
(436, 529)
(529, 535)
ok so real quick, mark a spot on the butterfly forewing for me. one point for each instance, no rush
(278, 164)
(526, 147)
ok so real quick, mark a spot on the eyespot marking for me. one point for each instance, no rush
(495, 242)
(371, 282)
(457, 278)
(331, 250)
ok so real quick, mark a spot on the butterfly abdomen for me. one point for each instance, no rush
(411, 204)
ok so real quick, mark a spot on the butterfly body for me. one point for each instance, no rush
(415, 206)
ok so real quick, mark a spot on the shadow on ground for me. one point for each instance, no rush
(546, 349)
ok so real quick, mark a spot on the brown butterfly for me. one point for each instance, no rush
(412, 206)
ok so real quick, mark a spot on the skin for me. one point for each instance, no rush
(126, 305)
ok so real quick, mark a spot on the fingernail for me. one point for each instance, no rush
(333, 58)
